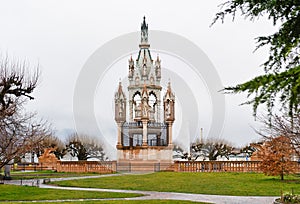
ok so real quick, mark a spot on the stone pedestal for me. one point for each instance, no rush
(7, 172)
(145, 158)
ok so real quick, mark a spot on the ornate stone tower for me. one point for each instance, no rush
(143, 136)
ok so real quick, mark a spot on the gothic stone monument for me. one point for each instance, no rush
(145, 135)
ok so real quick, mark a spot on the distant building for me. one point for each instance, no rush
(145, 133)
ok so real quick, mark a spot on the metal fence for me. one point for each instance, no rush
(143, 166)
(30, 167)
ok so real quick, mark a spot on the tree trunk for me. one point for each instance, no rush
(281, 176)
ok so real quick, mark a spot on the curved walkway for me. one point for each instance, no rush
(153, 195)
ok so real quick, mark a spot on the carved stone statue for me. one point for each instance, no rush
(48, 155)
(145, 109)
(168, 109)
(121, 108)
(144, 70)
(48, 159)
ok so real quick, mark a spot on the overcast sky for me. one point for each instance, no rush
(61, 36)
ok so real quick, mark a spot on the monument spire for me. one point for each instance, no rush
(144, 25)
(144, 34)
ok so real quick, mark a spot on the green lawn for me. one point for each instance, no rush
(17, 175)
(128, 202)
(239, 184)
(13, 193)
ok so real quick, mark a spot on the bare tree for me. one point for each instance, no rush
(38, 132)
(20, 134)
(16, 83)
(53, 142)
(248, 150)
(178, 151)
(75, 147)
(210, 149)
(47, 140)
(276, 125)
(85, 147)
(17, 128)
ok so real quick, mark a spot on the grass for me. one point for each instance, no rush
(14, 193)
(17, 175)
(11, 193)
(238, 184)
(128, 202)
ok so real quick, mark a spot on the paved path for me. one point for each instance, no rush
(152, 195)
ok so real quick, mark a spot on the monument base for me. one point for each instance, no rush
(156, 158)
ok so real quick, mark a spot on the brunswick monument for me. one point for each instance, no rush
(144, 118)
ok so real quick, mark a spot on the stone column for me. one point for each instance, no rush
(145, 131)
(131, 111)
(158, 111)
(119, 144)
(170, 124)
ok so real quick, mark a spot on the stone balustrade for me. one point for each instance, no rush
(221, 166)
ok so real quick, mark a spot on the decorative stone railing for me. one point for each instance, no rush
(86, 166)
(221, 166)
